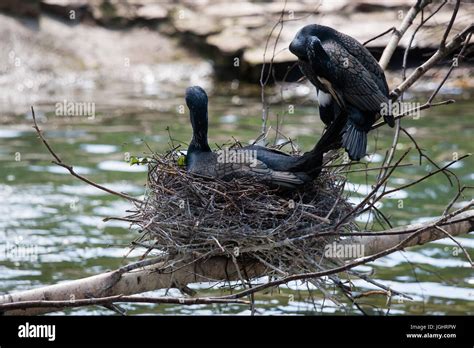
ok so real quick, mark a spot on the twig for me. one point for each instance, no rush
(364, 233)
(372, 293)
(450, 25)
(378, 284)
(411, 111)
(264, 81)
(425, 177)
(459, 244)
(375, 168)
(422, 155)
(115, 299)
(455, 198)
(373, 192)
(379, 36)
(451, 68)
(60, 163)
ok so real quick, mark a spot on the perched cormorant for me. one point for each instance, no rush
(349, 81)
(267, 165)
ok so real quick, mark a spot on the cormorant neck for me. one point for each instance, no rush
(318, 59)
(200, 124)
(324, 32)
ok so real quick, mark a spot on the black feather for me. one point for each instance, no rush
(354, 141)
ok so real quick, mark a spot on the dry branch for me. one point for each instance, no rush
(70, 169)
(398, 33)
(441, 53)
(116, 299)
(460, 224)
(138, 281)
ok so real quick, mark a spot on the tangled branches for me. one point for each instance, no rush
(187, 215)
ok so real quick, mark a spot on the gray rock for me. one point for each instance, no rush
(231, 41)
(152, 12)
(68, 9)
(187, 21)
(27, 8)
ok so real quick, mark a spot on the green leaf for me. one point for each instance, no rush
(139, 160)
(134, 160)
(182, 160)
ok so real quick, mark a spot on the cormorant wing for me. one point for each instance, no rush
(266, 149)
(260, 171)
(283, 178)
(352, 80)
(366, 59)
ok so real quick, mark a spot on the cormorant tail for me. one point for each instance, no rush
(390, 120)
(354, 141)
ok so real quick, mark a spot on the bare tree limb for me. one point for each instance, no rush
(60, 163)
(454, 44)
(461, 222)
(398, 33)
(137, 281)
(115, 299)
(450, 25)
(218, 268)
(376, 248)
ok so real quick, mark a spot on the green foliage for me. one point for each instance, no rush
(139, 160)
(182, 160)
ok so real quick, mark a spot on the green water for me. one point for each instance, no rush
(58, 218)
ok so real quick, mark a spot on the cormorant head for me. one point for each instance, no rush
(307, 46)
(196, 100)
(305, 37)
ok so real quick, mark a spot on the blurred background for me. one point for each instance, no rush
(130, 62)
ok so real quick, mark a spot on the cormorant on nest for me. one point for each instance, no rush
(349, 81)
(256, 162)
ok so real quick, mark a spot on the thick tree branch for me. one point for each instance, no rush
(398, 33)
(221, 268)
(426, 233)
(142, 280)
(441, 53)
(460, 224)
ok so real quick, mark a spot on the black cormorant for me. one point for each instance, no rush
(266, 165)
(348, 79)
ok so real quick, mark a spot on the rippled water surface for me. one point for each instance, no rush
(57, 220)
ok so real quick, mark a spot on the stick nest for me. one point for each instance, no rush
(189, 215)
